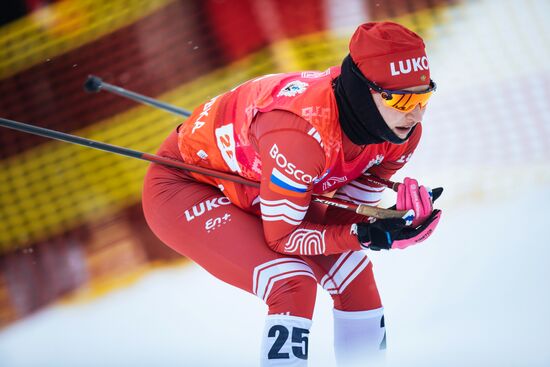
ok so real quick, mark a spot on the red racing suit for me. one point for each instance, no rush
(283, 131)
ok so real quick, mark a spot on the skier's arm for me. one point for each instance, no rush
(291, 160)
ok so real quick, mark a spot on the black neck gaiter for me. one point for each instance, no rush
(359, 117)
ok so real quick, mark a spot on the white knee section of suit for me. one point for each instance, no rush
(359, 337)
(285, 341)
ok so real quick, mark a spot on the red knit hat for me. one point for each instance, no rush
(390, 55)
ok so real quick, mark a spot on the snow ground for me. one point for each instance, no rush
(476, 294)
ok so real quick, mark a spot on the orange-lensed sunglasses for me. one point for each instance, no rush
(401, 100)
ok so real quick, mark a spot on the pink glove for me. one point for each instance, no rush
(411, 196)
(384, 234)
(412, 236)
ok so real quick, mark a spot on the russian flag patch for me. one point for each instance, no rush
(283, 185)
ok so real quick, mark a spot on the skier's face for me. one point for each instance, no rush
(401, 123)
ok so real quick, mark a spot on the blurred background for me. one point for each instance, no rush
(84, 282)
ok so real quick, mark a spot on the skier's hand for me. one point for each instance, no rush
(418, 198)
(385, 234)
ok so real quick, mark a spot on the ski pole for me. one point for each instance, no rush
(95, 84)
(366, 210)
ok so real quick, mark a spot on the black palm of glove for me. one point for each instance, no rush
(380, 234)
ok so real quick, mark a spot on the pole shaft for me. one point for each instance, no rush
(57, 135)
(144, 99)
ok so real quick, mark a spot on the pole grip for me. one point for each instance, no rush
(380, 213)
